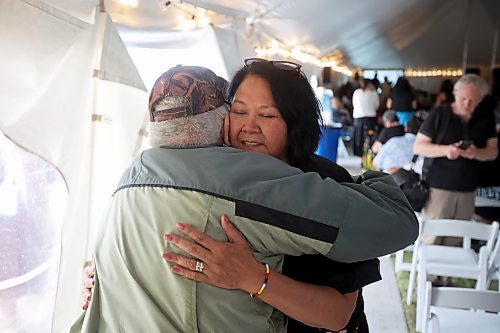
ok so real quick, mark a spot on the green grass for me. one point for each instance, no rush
(410, 310)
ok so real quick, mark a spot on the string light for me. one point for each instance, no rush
(296, 53)
(203, 19)
(433, 73)
(130, 3)
(193, 17)
(186, 24)
(200, 17)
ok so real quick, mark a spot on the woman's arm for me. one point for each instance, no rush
(231, 265)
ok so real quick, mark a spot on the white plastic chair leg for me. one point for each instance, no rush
(422, 279)
(411, 279)
(398, 261)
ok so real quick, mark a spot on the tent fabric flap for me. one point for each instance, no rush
(87, 128)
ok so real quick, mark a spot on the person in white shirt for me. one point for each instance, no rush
(365, 102)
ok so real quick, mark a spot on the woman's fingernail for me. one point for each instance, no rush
(224, 218)
(167, 237)
(166, 256)
(175, 269)
(180, 226)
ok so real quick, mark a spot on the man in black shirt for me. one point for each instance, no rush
(468, 136)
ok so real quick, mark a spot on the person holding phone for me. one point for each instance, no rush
(469, 137)
(464, 144)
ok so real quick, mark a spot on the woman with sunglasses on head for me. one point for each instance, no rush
(275, 111)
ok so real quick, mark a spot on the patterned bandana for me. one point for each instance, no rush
(184, 91)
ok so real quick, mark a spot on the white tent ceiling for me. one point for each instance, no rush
(365, 34)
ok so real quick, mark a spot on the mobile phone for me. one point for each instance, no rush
(464, 144)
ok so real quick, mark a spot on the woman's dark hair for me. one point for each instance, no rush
(296, 102)
(402, 85)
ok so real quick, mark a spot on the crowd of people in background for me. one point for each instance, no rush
(359, 104)
(386, 118)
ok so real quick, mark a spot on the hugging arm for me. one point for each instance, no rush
(231, 265)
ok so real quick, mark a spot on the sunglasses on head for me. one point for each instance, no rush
(280, 64)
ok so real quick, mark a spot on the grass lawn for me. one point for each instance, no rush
(410, 311)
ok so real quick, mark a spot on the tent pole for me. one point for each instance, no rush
(101, 7)
(494, 48)
(466, 43)
(101, 24)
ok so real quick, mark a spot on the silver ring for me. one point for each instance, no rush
(199, 266)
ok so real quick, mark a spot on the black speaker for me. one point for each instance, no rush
(327, 72)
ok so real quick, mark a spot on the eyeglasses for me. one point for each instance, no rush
(280, 64)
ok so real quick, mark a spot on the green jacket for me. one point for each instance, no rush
(279, 210)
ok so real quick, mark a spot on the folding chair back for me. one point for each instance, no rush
(450, 261)
(459, 228)
(448, 310)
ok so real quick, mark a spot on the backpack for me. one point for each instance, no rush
(413, 186)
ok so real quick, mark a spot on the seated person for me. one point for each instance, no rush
(391, 129)
(398, 151)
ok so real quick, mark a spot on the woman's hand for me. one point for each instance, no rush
(88, 284)
(229, 265)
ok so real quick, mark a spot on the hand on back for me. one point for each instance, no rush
(88, 284)
(229, 265)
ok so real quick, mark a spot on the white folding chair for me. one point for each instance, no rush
(399, 263)
(450, 261)
(494, 265)
(454, 310)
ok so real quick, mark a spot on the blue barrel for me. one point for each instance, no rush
(329, 142)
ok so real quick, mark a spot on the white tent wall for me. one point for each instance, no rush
(153, 59)
(55, 104)
(233, 48)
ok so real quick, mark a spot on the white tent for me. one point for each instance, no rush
(71, 95)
